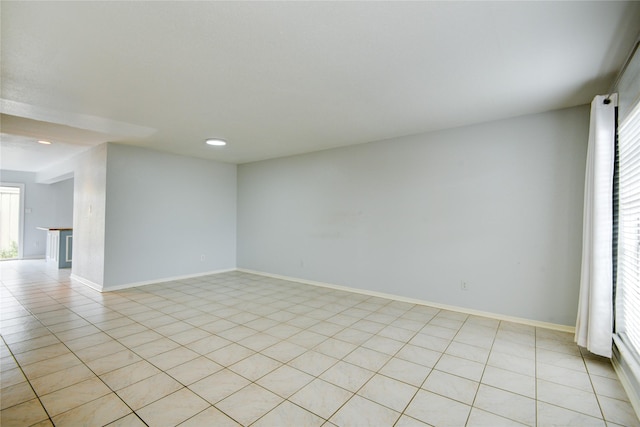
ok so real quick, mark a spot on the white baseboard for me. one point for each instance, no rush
(521, 320)
(102, 288)
(24, 258)
(86, 282)
(627, 370)
(530, 322)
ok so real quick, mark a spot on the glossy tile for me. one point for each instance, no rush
(307, 339)
(512, 363)
(285, 380)
(27, 343)
(230, 354)
(255, 366)
(101, 411)
(75, 395)
(88, 341)
(272, 352)
(44, 353)
(139, 338)
(367, 358)
(284, 351)
(172, 358)
(25, 414)
(564, 376)
(49, 366)
(406, 421)
(189, 336)
(437, 410)
(359, 411)
(130, 374)
(608, 387)
(336, 348)
(211, 416)
(208, 344)
(600, 366)
(509, 381)
(173, 409)
(113, 361)
(569, 398)
(480, 418)
(13, 376)
(72, 334)
(563, 360)
(383, 345)
(148, 390)
(460, 367)
(419, 355)
(405, 371)
(61, 379)
(130, 420)
(288, 414)
(153, 348)
(618, 411)
(100, 350)
(451, 386)
(506, 404)
(551, 415)
(347, 376)
(262, 401)
(15, 394)
(430, 342)
(313, 363)
(469, 352)
(127, 330)
(194, 370)
(388, 392)
(218, 386)
(516, 349)
(321, 398)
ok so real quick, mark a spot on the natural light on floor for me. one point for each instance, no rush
(242, 349)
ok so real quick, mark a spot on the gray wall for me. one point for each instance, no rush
(90, 174)
(50, 205)
(164, 213)
(498, 205)
(62, 194)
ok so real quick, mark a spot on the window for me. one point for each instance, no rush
(628, 277)
(10, 215)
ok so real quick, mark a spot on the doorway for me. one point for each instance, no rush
(11, 203)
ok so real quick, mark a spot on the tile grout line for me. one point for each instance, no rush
(321, 302)
(28, 382)
(71, 385)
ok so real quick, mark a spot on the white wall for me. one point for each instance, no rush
(164, 212)
(497, 205)
(90, 174)
(49, 205)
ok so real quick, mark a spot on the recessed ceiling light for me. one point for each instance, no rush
(44, 142)
(216, 142)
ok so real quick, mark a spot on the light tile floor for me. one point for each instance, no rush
(239, 349)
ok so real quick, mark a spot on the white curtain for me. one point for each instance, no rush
(594, 326)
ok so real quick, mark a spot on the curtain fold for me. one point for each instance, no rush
(594, 325)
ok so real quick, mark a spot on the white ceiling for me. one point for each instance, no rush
(282, 78)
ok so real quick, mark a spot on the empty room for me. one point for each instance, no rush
(379, 213)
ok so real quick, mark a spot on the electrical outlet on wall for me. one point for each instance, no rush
(464, 286)
(202, 257)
